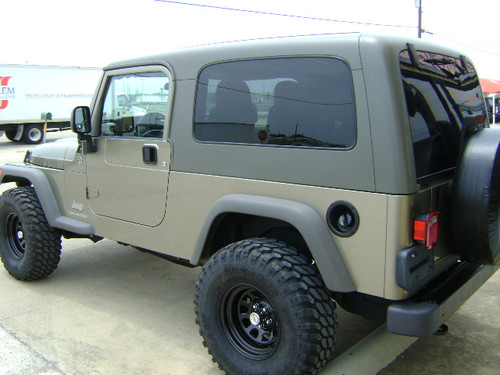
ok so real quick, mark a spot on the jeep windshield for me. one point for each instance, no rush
(445, 103)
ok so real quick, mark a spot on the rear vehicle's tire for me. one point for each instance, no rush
(476, 199)
(11, 134)
(29, 247)
(262, 308)
(32, 134)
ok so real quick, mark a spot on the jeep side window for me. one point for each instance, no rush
(135, 105)
(443, 100)
(306, 102)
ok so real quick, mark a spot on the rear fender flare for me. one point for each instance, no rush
(304, 218)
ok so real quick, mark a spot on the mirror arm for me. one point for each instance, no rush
(88, 145)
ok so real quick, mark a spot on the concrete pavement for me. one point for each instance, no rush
(110, 309)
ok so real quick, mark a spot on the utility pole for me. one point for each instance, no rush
(418, 4)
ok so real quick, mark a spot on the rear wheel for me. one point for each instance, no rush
(262, 308)
(29, 247)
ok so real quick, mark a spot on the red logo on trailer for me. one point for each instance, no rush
(5, 91)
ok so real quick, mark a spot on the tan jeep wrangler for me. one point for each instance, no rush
(300, 172)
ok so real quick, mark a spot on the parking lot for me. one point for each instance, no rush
(110, 309)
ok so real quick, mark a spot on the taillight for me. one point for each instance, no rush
(426, 228)
(480, 119)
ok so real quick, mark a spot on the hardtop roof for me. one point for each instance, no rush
(186, 62)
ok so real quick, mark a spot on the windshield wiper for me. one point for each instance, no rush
(445, 61)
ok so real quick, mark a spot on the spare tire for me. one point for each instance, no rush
(476, 199)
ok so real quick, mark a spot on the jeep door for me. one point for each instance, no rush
(127, 176)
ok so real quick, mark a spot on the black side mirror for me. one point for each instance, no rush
(80, 120)
(80, 124)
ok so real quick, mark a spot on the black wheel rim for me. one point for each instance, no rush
(15, 235)
(250, 322)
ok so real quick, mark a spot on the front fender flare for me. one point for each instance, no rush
(304, 218)
(55, 218)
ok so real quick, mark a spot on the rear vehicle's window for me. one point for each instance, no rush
(444, 101)
(306, 102)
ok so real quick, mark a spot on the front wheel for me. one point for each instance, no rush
(29, 247)
(262, 308)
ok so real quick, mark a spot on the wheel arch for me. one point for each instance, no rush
(291, 215)
(24, 176)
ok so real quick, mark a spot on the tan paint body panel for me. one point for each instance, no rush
(192, 195)
(370, 254)
(121, 186)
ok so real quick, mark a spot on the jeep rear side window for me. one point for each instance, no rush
(306, 102)
(444, 102)
(135, 105)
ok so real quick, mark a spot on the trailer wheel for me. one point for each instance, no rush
(11, 135)
(33, 134)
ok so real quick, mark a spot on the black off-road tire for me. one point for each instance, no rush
(262, 307)
(29, 247)
(476, 199)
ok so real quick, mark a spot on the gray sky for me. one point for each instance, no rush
(97, 32)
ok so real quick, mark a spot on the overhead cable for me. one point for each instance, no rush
(310, 18)
(461, 43)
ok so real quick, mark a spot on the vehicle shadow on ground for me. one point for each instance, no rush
(105, 294)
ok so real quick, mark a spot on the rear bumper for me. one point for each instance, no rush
(422, 315)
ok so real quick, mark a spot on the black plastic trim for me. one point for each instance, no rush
(414, 266)
(423, 314)
(339, 226)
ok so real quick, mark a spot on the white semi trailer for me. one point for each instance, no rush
(35, 99)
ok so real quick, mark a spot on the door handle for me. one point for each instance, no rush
(150, 154)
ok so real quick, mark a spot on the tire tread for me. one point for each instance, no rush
(43, 241)
(299, 280)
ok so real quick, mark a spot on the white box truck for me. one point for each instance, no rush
(35, 99)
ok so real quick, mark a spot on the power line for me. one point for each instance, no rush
(310, 18)
(461, 43)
